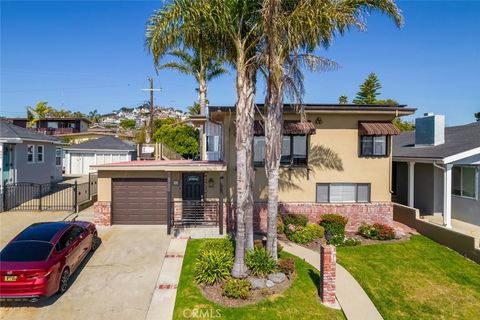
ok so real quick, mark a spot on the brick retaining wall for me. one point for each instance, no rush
(376, 212)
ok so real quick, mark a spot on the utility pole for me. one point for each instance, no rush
(152, 108)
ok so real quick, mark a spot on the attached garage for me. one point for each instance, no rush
(139, 201)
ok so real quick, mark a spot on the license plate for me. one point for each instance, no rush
(10, 278)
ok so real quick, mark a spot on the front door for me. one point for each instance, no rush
(7, 163)
(192, 196)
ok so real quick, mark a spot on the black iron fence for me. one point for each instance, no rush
(25, 196)
(192, 213)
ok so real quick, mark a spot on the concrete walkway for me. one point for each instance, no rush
(162, 304)
(352, 298)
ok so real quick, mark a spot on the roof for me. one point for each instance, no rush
(165, 165)
(10, 131)
(378, 128)
(104, 143)
(330, 107)
(458, 139)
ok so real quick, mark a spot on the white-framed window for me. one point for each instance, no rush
(58, 156)
(213, 143)
(40, 153)
(343, 192)
(30, 153)
(465, 181)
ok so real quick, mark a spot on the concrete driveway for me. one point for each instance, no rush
(115, 282)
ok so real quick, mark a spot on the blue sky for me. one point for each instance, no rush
(90, 55)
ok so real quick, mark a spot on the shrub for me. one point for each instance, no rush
(212, 266)
(295, 219)
(224, 244)
(260, 262)
(350, 242)
(286, 265)
(237, 289)
(377, 231)
(306, 234)
(334, 223)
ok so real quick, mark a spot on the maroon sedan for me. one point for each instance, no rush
(38, 262)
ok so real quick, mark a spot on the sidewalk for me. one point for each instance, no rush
(163, 300)
(354, 301)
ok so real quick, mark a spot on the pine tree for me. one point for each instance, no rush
(477, 116)
(368, 90)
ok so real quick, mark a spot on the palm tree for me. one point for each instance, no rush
(290, 26)
(194, 109)
(94, 116)
(40, 111)
(229, 28)
(232, 29)
(201, 66)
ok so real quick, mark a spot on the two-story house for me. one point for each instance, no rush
(55, 126)
(339, 161)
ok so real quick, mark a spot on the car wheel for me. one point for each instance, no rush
(64, 281)
(95, 242)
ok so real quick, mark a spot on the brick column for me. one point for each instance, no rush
(102, 214)
(327, 275)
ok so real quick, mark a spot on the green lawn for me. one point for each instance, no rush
(417, 279)
(299, 302)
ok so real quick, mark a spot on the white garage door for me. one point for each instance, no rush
(80, 163)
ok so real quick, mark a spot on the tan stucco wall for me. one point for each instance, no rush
(337, 135)
(105, 183)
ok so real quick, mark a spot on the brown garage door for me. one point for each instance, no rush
(139, 201)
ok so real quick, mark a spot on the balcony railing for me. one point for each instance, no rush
(54, 131)
(193, 213)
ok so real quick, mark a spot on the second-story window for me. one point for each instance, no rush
(40, 154)
(213, 143)
(373, 146)
(294, 150)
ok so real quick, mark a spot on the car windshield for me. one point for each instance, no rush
(23, 251)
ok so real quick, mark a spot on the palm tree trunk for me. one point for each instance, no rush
(202, 95)
(243, 181)
(251, 81)
(273, 146)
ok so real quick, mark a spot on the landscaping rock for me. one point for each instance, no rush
(278, 277)
(269, 283)
(257, 283)
(399, 234)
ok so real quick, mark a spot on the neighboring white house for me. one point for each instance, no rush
(78, 158)
(436, 169)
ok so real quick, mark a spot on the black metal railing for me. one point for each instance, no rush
(26, 196)
(193, 213)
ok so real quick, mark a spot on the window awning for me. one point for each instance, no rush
(377, 128)
(289, 127)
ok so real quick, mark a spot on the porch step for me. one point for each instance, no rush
(200, 232)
